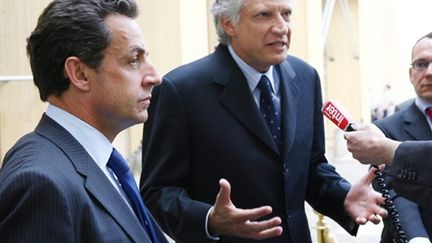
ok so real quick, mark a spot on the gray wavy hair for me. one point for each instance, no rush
(229, 9)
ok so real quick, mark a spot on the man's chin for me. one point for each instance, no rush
(144, 117)
(280, 59)
(141, 117)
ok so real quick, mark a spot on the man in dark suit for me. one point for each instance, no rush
(410, 161)
(88, 59)
(404, 104)
(207, 122)
(412, 123)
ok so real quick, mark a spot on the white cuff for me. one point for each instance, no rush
(212, 237)
(419, 240)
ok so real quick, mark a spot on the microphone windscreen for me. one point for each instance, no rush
(335, 113)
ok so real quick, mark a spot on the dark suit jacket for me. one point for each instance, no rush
(403, 105)
(414, 158)
(407, 124)
(205, 125)
(52, 191)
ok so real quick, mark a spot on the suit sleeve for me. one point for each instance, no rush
(166, 138)
(410, 218)
(409, 212)
(34, 209)
(326, 188)
(412, 170)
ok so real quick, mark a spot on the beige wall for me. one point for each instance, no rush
(175, 31)
(178, 31)
(341, 75)
(387, 31)
(342, 70)
(305, 37)
(20, 108)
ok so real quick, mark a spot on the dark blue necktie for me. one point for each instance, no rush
(120, 168)
(270, 109)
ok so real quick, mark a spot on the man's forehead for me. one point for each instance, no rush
(251, 3)
(425, 43)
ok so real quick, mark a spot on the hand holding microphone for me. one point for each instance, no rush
(367, 143)
(369, 146)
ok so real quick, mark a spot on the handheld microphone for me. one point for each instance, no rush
(335, 113)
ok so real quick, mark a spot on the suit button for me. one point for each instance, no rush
(285, 168)
(409, 176)
(288, 214)
(412, 175)
(403, 174)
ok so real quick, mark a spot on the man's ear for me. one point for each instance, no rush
(77, 73)
(411, 75)
(228, 26)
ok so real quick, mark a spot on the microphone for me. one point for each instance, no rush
(335, 113)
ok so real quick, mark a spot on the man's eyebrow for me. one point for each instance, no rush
(139, 49)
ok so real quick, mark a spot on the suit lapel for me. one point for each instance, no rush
(100, 187)
(415, 124)
(289, 95)
(117, 207)
(96, 183)
(238, 99)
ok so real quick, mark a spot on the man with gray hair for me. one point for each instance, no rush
(234, 145)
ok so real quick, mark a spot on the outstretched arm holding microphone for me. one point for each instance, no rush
(411, 161)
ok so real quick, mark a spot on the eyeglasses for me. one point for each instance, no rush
(420, 65)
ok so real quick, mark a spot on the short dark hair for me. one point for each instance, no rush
(71, 28)
(429, 36)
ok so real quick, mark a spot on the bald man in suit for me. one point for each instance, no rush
(412, 123)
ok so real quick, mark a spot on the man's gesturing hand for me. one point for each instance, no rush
(364, 204)
(226, 219)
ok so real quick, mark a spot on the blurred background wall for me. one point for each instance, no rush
(357, 46)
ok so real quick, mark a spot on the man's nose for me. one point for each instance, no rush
(428, 70)
(280, 25)
(152, 76)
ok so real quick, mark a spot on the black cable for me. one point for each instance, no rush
(391, 208)
(388, 202)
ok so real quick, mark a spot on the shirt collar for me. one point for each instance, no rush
(251, 74)
(93, 141)
(422, 104)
